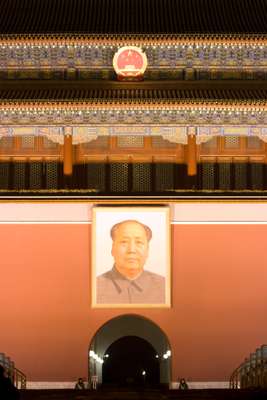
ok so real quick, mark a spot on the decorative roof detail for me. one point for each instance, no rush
(161, 39)
(96, 59)
(72, 113)
(179, 102)
(133, 94)
(132, 16)
(172, 133)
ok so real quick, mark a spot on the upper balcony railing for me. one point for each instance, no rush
(252, 373)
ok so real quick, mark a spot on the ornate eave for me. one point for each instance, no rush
(134, 107)
(173, 120)
(95, 103)
(79, 39)
(91, 55)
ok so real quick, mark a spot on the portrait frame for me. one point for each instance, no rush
(158, 262)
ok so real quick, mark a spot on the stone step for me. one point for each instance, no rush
(120, 394)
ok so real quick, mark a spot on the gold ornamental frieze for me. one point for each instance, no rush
(134, 112)
(172, 133)
(92, 55)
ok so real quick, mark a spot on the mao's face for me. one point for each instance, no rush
(130, 249)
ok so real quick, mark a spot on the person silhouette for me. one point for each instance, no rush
(183, 385)
(80, 384)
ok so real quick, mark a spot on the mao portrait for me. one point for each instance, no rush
(131, 265)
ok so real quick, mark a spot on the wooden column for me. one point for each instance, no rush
(68, 162)
(191, 151)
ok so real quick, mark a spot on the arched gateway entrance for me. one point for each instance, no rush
(130, 350)
(131, 361)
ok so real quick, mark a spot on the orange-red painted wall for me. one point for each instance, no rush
(219, 299)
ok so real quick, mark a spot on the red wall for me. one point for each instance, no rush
(219, 299)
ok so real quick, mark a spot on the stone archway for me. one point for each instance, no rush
(130, 325)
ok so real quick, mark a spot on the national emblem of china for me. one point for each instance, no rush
(130, 63)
